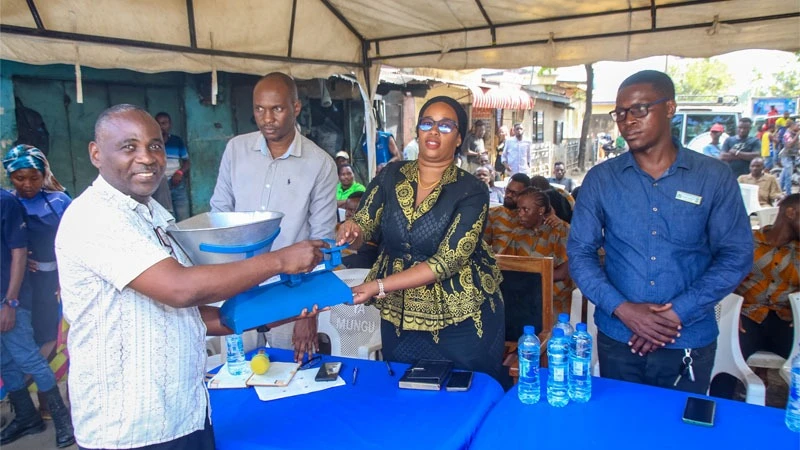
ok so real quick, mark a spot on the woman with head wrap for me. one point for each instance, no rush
(435, 281)
(45, 201)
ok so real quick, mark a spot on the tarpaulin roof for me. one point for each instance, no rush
(317, 38)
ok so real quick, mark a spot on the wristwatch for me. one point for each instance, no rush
(12, 302)
(381, 292)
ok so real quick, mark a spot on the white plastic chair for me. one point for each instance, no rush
(768, 360)
(750, 197)
(354, 330)
(767, 216)
(794, 302)
(576, 308)
(729, 354)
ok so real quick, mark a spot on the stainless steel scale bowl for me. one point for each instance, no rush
(223, 237)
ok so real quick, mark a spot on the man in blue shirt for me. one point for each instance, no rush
(177, 167)
(676, 240)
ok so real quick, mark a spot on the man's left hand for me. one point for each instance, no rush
(641, 345)
(305, 338)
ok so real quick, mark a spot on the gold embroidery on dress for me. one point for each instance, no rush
(462, 284)
(363, 219)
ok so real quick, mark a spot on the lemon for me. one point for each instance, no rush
(260, 364)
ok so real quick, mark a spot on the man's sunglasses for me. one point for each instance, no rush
(445, 126)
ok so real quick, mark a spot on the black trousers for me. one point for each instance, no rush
(659, 368)
(459, 343)
(198, 440)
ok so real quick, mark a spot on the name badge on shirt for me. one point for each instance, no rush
(689, 198)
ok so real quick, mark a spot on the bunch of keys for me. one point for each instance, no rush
(686, 367)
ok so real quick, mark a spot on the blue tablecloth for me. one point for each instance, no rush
(632, 416)
(374, 413)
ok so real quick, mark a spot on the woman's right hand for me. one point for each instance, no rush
(364, 292)
(349, 232)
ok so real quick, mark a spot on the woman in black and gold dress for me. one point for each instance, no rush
(435, 281)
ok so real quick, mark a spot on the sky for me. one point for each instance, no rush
(609, 74)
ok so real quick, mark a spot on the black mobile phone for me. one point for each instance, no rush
(699, 411)
(459, 381)
(328, 371)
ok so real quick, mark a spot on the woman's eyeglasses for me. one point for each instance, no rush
(445, 126)
(637, 110)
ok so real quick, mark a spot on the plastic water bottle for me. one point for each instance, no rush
(580, 361)
(529, 349)
(558, 365)
(793, 405)
(237, 364)
(563, 323)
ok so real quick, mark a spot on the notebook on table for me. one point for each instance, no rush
(426, 374)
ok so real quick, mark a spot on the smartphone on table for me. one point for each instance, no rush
(328, 371)
(699, 411)
(459, 381)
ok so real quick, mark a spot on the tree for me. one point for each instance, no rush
(785, 83)
(701, 77)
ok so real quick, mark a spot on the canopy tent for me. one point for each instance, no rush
(318, 38)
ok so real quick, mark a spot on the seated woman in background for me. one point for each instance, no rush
(45, 202)
(496, 194)
(537, 235)
(435, 281)
(347, 185)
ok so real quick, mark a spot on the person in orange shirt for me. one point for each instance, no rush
(766, 318)
(535, 233)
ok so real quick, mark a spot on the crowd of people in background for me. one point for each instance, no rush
(428, 227)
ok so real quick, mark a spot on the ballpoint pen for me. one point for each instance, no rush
(355, 375)
(389, 368)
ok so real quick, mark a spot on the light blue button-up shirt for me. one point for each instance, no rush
(683, 238)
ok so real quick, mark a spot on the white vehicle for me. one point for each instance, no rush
(694, 118)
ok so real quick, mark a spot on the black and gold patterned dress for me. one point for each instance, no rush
(460, 315)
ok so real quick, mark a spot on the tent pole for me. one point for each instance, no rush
(35, 13)
(192, 28)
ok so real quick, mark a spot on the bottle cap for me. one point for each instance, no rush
(529, 329)
(581, 326)
(558, 332)
(563, 317)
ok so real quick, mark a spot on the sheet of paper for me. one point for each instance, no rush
(224, 380)
(279, 374)
(302, 383)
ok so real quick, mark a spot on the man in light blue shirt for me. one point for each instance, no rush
(517, 153)
(676, 239)
(278, 169)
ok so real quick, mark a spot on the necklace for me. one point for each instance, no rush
(421, 186)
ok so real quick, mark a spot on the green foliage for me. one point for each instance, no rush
(701, 77)
(786, 83)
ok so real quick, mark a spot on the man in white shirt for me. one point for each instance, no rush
(517, 153)
(136, 306)
(278, 169)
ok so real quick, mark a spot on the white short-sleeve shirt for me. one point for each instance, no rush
(136, 365)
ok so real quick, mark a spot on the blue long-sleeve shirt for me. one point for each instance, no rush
(683, 238)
